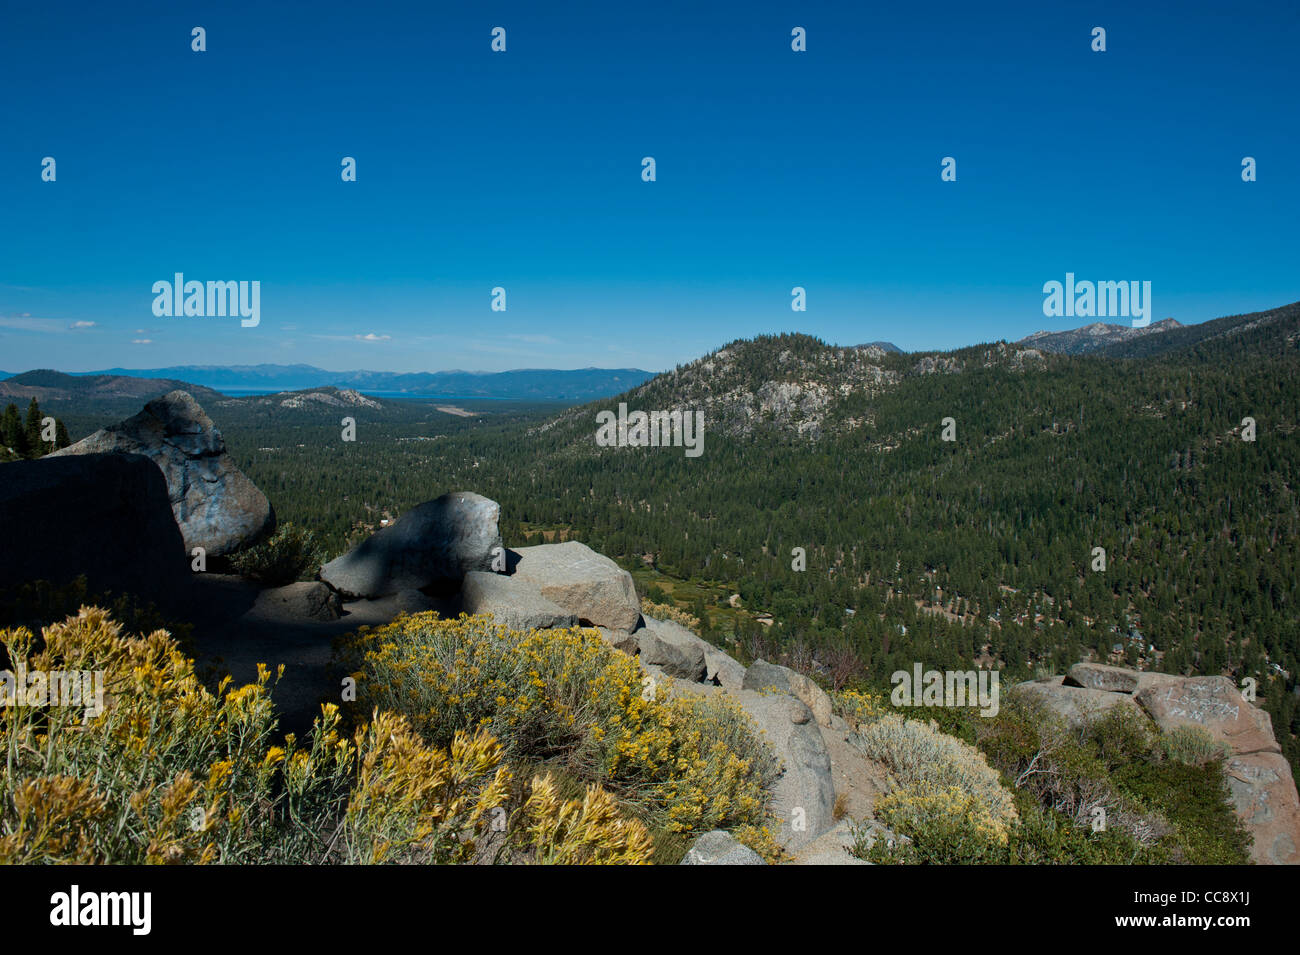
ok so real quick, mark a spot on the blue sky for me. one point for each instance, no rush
(523, 170)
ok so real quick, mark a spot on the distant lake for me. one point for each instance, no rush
(393, 395)
(247, 392)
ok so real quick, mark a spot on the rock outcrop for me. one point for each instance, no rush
(763, 675)
(215, 505)
(512, 602)
(803, 798)
(106, 516)
(585, 583)
(439, 541)
(674, 649)
(1078, 705)
(1259, 777)
(309, 600)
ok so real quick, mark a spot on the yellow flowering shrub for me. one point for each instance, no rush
(669, 612)
(567, 698)
(859, 708)
(589, 831)
(168, 772)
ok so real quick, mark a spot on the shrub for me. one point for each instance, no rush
(931, 767)
(1192, 746)
(667, 611)
(289, 555)
(568, 699)
(589, 831)
(944, 825)
(168, 772)
(860, 708)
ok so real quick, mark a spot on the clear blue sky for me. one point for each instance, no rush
(522, 170)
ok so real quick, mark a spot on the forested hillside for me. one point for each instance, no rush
(917, 548)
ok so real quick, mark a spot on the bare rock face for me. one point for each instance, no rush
(584, 583)
(672, 648)
(511, 602)
(439, 541)
(763, 675)
(215, 505)
(103, 515)
(1263, 791)
(804, 795)
(1077, 705)
(1215, 705)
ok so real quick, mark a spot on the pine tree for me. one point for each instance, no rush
(61, 439)
(11, 431)
(32, 431)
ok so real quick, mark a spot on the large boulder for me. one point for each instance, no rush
(1264, 794)
(762, 675)
(306, 600)
(1215, 705)
(106, 516)
(1098, 676)
(215, 505)
(803, 798)
(587, 584)
(1078, 705)
(672, 648)
(511, 602)
(439, 541)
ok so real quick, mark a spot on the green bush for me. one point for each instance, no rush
(290, 554)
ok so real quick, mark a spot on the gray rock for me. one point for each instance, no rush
(310, 600)
(803, 797)
(620, 640)
(831, 848)
(413, 601)
(215, 505)
(584, 583)
(438, 541)
(512, 602)
(673, 648)
(720, 848)
(1097, 676)
(1078, 705)
(106, 516)
(762, 675)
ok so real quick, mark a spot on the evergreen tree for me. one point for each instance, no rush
(11, 431)
(32, 431)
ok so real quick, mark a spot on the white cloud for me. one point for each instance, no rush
(372, 337)
(142, 341)
(82, 325)
(26, 323)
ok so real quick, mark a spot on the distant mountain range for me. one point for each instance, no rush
(1096, 337)
(526, 384)
(535, 384)
(45, 385)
